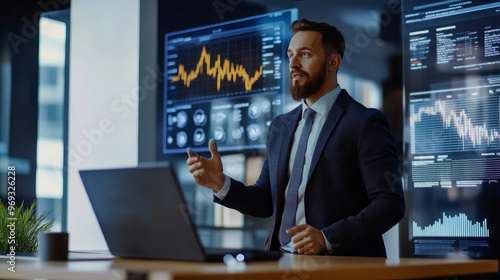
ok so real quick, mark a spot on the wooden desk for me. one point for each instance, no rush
(288, 267)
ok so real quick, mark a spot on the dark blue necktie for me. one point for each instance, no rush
(290, 210)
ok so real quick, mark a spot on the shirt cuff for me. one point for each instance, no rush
(225, 189)
(329, 247)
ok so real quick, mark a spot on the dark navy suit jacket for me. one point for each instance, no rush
(354, 192)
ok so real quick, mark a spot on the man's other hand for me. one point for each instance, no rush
(307, 239)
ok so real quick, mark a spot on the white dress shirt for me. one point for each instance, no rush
(322, 108)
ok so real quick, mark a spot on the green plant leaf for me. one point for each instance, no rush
(28, 225)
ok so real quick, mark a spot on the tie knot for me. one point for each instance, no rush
(310, 113)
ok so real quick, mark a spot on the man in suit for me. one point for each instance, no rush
(331, 184)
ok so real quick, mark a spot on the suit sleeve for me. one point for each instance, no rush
(379, 169)
(256, 200)
(250, 200)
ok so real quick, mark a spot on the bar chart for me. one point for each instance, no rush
(452, 226)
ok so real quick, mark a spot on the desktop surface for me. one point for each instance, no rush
(288, 267)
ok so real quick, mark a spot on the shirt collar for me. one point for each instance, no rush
(324, 104)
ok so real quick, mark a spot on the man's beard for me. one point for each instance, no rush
(310, 87)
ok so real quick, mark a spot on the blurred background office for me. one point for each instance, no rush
(81, 85)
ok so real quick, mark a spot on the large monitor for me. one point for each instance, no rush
(225, 81)
(451, 52)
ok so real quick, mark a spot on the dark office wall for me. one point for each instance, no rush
(19, 43)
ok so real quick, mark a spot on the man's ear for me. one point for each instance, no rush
(334, 60)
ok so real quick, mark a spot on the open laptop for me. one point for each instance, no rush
(142, 214)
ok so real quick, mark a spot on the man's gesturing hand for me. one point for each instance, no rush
(307, 239)
(207, 172)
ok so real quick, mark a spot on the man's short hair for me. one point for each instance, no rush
(332, 39)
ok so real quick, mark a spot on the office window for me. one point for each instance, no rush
(48, 74)
(365, 91)
(51, 115)
(5, 77)
(50, 142)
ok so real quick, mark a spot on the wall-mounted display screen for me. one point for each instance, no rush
(225, 81)
(452, 127)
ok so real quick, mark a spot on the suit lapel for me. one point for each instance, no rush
(286, 145)
(332, 119)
